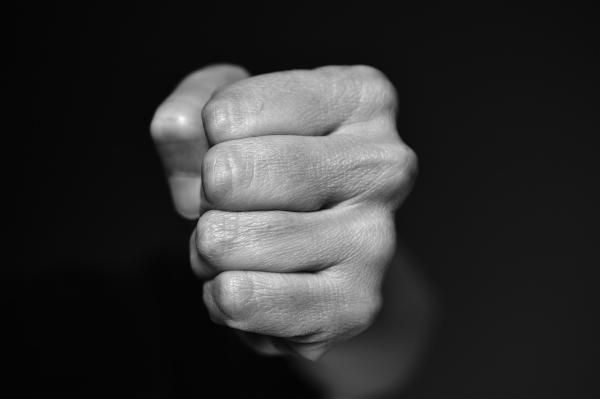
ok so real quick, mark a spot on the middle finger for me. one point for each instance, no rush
(296, 173)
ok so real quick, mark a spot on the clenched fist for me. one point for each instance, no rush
(295, 177)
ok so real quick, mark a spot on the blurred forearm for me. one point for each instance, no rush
(383, 359)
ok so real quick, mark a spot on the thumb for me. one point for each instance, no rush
(179, 136)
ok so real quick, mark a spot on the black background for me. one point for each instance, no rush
(499, 101)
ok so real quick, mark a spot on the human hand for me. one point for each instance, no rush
(295, 176)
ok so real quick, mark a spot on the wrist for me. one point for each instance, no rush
(385, 357)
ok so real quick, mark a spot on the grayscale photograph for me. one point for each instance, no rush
(302, 200)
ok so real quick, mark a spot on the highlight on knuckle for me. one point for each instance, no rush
(223, 115)
(214, 236)
(220, 168)
(232, 294)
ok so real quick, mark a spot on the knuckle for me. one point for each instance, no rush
(214, 237)
(373, 76)
(199, 266)
(223, 115)
(216, 119)
(403, 158)
(376, 86)
(399, 169)
(411, 166)
(231, 293)
(220, 168)
(405, 166)
(175, 120)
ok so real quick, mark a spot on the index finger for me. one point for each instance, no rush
(299, 102)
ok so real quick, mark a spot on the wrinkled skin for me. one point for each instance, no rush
(295, 177)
